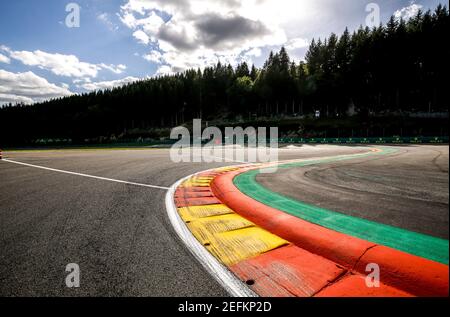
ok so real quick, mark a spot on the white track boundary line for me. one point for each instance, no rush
(221, 274)
(86, 175)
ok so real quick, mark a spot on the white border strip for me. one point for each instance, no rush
(225, 277)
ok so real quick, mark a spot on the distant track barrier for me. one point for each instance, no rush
(372, 140)
(51, 143)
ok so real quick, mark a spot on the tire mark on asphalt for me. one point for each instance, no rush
(435, 163)
(309, 174)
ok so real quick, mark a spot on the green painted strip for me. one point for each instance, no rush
(422, 245)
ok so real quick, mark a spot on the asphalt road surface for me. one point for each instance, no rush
(119, 234)
(407, 189)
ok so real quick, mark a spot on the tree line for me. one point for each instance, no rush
(400, 67)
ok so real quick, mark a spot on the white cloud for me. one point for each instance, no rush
(256, 52)
(116, 69)
(128, 19)
(154, 56)
(297, 43)
(9, 98)
(150, 24)
(81, 80)
(28, 88)
(200, 32)
(297, 48)
(4, 59)
(108, 84)
(60, 64)
(106, 20)
(141, 37)
(408, 12)
(164, 70)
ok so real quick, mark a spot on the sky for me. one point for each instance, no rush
(54, 48)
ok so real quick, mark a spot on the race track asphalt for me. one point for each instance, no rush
(119, 234)
(407, 189)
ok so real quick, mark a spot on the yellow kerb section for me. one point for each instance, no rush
(205, 229)
(198, 181)
(235, 246)
(190, 183)
(226, 169)
(228, 236)
(196, 212)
